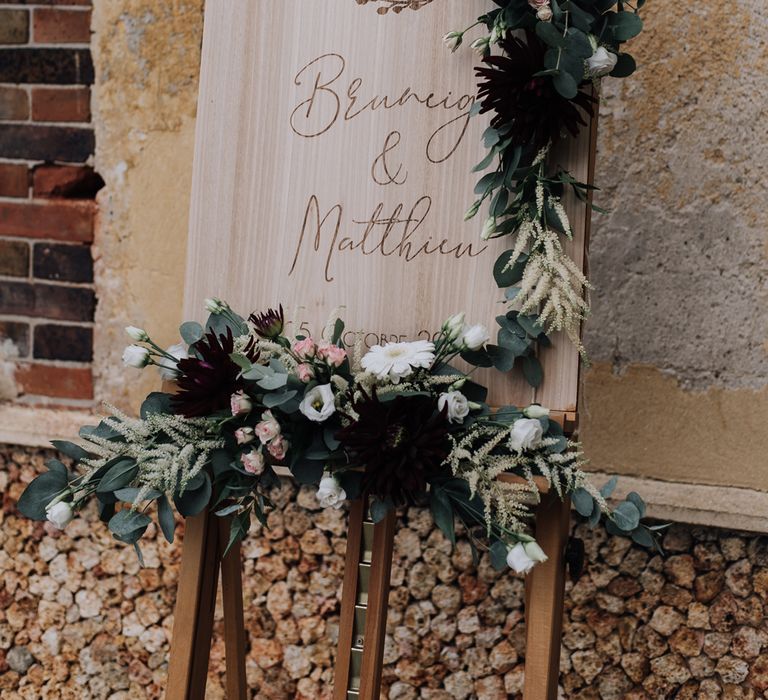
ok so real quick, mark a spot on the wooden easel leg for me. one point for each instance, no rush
(545, 590)
(364, 604)
(234, 625)
(193, 616)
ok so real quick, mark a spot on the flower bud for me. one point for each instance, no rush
(481, 46)
(535, 411)
(136, 356)
(137, 334)
(452, 40)
(215, 306)
(489, 228)
(472, 211)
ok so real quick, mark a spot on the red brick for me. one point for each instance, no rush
(72, 144)
(61, 104)
(60, 221)
(14, 26)
(63, 262)
(14, 103)
(68, 343)
(14, 180)
(58, 382)
(46, 301)
(60, 26)
(14, 258)
(69, 181)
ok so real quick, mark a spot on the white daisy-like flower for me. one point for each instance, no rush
(394, 361)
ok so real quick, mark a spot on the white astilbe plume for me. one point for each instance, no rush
(170, 450)
(480, 457)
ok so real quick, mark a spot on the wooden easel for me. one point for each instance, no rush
(237, 39)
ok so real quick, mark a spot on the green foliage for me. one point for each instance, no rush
(40, 492)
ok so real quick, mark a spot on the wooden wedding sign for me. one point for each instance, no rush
(333, 164)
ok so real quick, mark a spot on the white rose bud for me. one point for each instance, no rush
(544, 14)
(137, 334)
(457, 406)
(601, 62)
(60, 514)
(472, 211)
(475, 337)
(136, 356)
(535, 411)
(525, 434)
(330, 494)
(317, 404)
(523, 557)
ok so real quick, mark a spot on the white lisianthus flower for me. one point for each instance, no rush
(215, 306)
(525, 434)
(452, 40)
(394, 361)
(474, 337)
(601, 62)
(136, 356)
(60, 514)
(330, 494)
(137, 334)
(524, 556)
(535, 411)
(480, 46)
(317, 404)
(454, 325)
(458, 406)
(168, 369)
(489, 228)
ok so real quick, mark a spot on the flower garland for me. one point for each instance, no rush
(397, 424)
(539, 84)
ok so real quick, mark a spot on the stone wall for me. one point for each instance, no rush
(79, 619)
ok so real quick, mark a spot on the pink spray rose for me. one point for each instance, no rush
(332, 354)
(240, 403)
(305, 372)
(244, 435)
(253, 462)
(304, 349)
(268, 428)
(278, 448)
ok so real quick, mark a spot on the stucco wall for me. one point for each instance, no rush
(677, 390)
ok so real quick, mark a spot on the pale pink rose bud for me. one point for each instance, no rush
(244, 435)
(253, 462)
(278, 448)
(305, 372)
(240, 403)
(304, 348)
(268, 428)
(332, 354)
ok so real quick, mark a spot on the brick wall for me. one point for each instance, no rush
(47, 188)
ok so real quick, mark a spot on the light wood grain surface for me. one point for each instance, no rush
(307, 109)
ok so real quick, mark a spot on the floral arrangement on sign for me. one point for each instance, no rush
(542, 64)
(397, 424)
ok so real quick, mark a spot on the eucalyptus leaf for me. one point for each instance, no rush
(503, 359)
(582, 502)
(128, 525)
(194, 500)
(156, 402)
(626, 516)
(498, 552)
(442, 512)
(70, 449)
(643, 537)
(635, 498)
(191, 332)
(278, 398)
(40, 492)
(380, 508)
(533, 371)
(120, 475)
(624, 25)
(609, 487)
(165, 518)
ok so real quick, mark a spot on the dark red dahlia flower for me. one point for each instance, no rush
(536, 112)
(268, 324)
(207, 383)
(399, 443)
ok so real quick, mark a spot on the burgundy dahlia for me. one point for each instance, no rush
(399, 443)
(536, 112)
(207, 383)
(268, 324)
